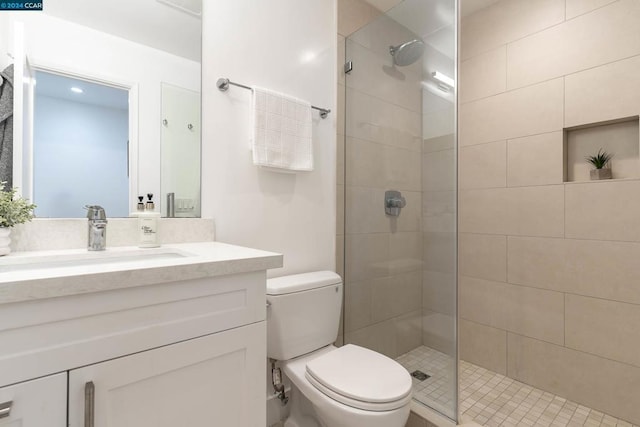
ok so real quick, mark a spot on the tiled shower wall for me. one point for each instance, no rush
(549, 288)
(383, 283)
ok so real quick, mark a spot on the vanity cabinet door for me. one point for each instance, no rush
(215, 380)
(36, 403)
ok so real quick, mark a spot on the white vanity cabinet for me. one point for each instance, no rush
(176, 342)
(35, 403)
(205, 381)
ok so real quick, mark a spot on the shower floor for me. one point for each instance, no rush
(491, 399)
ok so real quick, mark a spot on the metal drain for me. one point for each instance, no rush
(419, 375)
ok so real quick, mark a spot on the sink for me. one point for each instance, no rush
(21, 263)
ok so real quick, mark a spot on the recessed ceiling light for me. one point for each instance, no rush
(76, 90)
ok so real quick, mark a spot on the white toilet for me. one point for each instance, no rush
(349, 386)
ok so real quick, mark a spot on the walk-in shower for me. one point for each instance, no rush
(400, 196)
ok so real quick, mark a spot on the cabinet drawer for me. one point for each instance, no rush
(36, 403)
(47, 336)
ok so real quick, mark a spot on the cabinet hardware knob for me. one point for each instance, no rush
(5, 409)
(89, 402)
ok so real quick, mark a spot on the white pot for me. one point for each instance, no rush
(5, 240)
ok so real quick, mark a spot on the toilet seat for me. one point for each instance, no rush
(360, 378)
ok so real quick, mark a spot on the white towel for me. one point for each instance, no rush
(281, 131)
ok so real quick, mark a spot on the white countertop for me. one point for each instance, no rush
(194, 260)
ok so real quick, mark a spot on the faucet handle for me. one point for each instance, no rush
(95, 212)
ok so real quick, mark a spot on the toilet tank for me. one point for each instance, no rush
(303, 313)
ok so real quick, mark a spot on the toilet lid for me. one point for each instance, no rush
(364, 378)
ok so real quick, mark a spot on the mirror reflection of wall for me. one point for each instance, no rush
(181, 150)
(135, 45)
(81, 132)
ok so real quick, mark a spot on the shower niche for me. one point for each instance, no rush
(618, 137)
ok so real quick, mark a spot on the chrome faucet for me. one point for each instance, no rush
(97, 237)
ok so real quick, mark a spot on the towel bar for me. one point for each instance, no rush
(223, 86)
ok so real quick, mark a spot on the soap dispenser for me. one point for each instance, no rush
(148, 222)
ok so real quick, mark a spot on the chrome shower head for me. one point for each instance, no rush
(407, 53)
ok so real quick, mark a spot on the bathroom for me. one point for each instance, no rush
(503, 278)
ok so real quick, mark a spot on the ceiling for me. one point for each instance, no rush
(152, 23)
(57, 86)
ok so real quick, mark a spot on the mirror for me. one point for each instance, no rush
(115, 105)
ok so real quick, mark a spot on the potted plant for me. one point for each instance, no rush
(13, 210)
(601, 163)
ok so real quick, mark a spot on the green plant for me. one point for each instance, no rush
(13, 210)
(600, 160)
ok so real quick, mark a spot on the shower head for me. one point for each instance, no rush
(407, 53)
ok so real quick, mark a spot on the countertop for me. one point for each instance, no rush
(28, 276)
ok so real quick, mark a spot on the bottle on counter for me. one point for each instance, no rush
(148, 221)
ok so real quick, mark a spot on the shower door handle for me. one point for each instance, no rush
(393, 202)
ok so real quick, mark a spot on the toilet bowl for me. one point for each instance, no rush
(349, 386)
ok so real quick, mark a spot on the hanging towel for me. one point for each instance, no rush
(6, 126)
(281, 131)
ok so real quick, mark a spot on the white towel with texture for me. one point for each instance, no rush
(282, 134)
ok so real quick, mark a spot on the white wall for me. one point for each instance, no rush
(84, 145)
(64, 46)
(289, 46)
(4, 41)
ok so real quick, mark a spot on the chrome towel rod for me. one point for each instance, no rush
(223, 86)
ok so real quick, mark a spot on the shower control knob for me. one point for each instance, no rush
(393, 202)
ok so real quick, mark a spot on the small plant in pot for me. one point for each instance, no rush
(601, 163)
(13, 210)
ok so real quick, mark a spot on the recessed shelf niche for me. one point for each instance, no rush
(618, 137)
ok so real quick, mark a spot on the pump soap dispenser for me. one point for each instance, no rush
(148, 225)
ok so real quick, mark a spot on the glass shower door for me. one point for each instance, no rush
(400, 195)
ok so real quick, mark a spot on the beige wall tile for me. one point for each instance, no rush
(383, 5)
(357, 304)
(405, 252)
(483, 75)
(573, 45)
(604, 328)
(505, 22)
(365, 211)
(439, 292)
(535, 160)
(341, 59)
(599, 383)
(402, 169)
(532, 312)
(483, 346)
(439, 170)
(439, 210)
(603, 93)
(579, 7)
(365, 162)
(603, 210)
(340, 256)
(439, 143)
(340, 109)
(528, 111)
(483, 256)
(439, 331)
(408, 331)
(576, 266)
(340, 156)
(396, 295)
(483, 166)
(483, 211)
(354, 14)
(536, 211)
(410, 218)
(366, 256)
(439, 252)
(380, 337)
